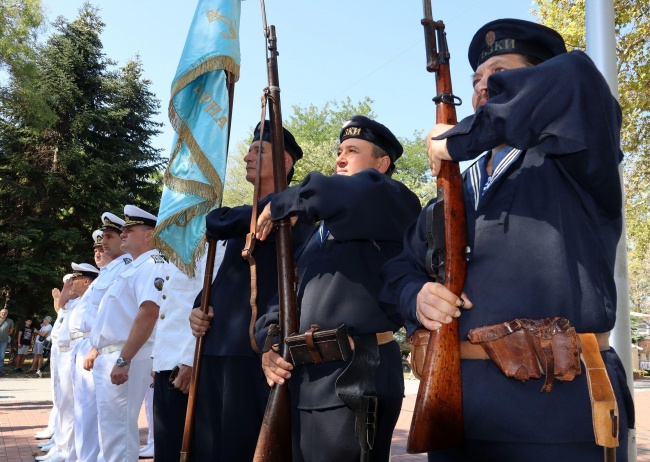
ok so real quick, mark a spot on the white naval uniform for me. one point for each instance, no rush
(119, 405)
(54, 365)
(174, 346)
(64, 426)
(175, 343)
(85, 403)
(148, 411)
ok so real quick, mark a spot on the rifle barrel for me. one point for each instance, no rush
(274, 441)
(438, 414)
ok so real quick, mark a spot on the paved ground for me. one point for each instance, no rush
(25, 403)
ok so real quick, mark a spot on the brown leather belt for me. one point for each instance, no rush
(601, 395)
(469, 350)
(385, 337)
(382, 338)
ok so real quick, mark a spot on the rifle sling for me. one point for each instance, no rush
(356, 388)
(247, 252)
(603, 402)
(253, 299)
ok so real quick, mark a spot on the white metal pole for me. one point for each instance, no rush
(601, 47)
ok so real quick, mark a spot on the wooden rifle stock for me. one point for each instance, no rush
(438, 414)
(274, 441)
(198, 355)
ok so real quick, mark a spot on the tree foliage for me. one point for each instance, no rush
(20, 21)
(413, 170)
(75, 145)
(317, 130)
(632, 24)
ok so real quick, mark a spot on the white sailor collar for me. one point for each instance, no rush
(144, 257)
(478, 171)
(123, 259)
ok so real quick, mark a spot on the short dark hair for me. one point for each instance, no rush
(531, 60)
(378, 153)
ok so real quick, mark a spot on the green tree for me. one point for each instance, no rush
(632, 24)
(87, 153)
(20, 21)
(317, 132)
(413, 170)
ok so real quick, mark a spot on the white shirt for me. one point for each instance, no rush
(175, 344)
(61, 315)
(76, 315)
(63, 333)
(99, 287)
(135, 285)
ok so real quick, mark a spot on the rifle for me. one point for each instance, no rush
(274, 441)
(438, 414)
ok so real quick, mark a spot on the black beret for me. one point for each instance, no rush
(514, 36)
(366, 129)
(290, 144)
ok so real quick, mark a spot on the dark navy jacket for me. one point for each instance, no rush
(543, 238)
(231, 289)
(367, 215)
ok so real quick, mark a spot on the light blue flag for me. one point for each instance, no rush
(199, 112)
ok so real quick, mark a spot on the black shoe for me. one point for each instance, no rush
(18, 369)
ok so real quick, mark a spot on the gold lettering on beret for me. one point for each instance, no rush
(499, 45)
(352, 131)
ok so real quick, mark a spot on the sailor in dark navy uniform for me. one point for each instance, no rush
(232, 393)
(543, 211)
(364, 214)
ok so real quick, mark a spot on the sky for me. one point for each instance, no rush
(328, 50)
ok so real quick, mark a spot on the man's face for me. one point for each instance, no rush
(28, 322)
(98, 254)
(355, 155)
(4, 313)
(251, 159)
(134, 238)
(111, 243)
(79, 285)
(495, 64)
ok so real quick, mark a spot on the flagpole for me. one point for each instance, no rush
(205, 303)
(601, 48)
(198, 356)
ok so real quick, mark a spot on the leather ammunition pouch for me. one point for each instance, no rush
(418, 342)
(318, 346)
(527, 348)
(356, 388)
